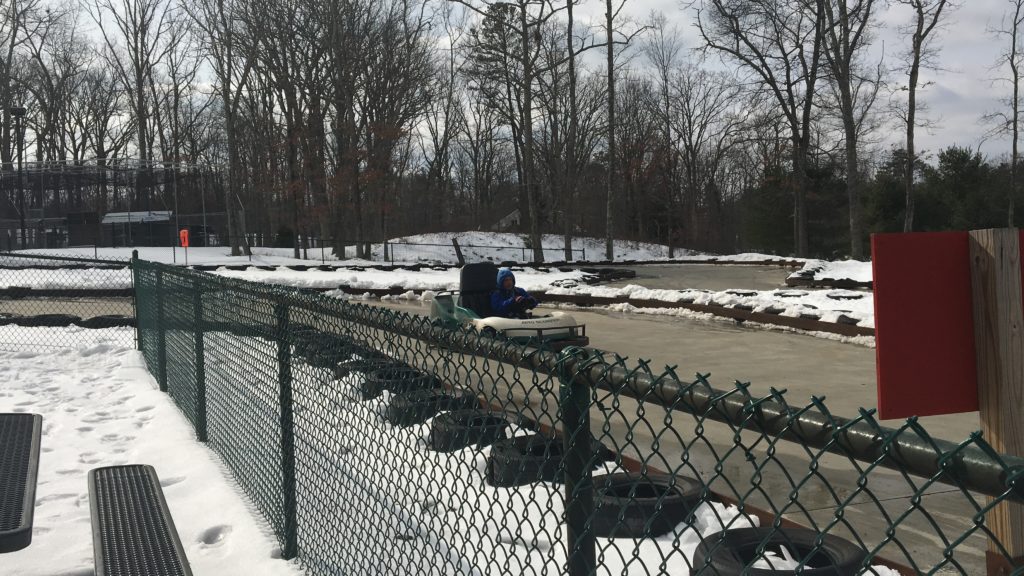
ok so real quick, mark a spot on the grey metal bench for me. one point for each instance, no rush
(132, 530)
(20, 435)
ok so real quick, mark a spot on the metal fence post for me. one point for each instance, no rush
(161, 334)
(574, 406)
(135, 299)
(200, 354)
(284, 360)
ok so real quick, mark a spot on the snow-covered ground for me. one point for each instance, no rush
(434, 247)
(66, 279)
(101, 407)
(215, 256)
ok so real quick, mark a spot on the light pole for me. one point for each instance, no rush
(18, 112)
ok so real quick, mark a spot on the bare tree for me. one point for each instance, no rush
(131, 30)
(506, 49)
(927, 15)
(394, 95)
(662, 48)
(446, 115)
(1009, 122)
(17, 24)
(219, 21)
(847, 34)
(707, 124)
(780, 45)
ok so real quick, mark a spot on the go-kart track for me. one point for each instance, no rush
(842, 373)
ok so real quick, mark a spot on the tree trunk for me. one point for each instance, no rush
(527, 114)
(570, 140)
(609, 252)
(908, 174)
(233, 162)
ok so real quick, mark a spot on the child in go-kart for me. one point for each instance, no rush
(507, 300)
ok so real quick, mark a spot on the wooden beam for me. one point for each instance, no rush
(999, 343)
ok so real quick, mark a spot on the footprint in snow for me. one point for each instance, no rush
(165, 482)
(54, 498)
(215, 536)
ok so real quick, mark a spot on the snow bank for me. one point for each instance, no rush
(424, 279)
(821, 270)
(826, 304)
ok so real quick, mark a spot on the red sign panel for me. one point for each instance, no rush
(924, 327)
(183, 236)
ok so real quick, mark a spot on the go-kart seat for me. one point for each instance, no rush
(476, 282)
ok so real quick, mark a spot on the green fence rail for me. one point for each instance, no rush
(375, 442)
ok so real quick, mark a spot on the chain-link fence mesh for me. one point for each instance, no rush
(376, 442)
(48, 302)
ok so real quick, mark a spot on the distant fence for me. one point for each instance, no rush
(47, 301)
(378, 442)
(324, 250)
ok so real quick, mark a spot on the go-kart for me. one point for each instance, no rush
(471, 305)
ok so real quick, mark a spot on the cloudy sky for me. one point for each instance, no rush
(958, 95)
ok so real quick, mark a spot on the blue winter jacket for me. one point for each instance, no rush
(502, 301)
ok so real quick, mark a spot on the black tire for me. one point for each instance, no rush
(396, 379)
(417, 406)
(460, 429)
(534, 458)
(108, 321)
(7, 319)
(302, 336)
(48, 320)
(365, 362)
(649, 506)
(728, 553)
(328, 350)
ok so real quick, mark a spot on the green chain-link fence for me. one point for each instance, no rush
(48, 302)
(376, 442)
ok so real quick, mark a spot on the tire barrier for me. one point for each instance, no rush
(8, 319)
(628, 505)
(327, 351)
(728, 553)
(416, 406)
(366, 362)
(397, 380)
(460, 429)
(534, 458)
(107, 321)
(47, 320)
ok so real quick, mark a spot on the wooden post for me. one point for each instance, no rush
(458, 252)
(999, 344)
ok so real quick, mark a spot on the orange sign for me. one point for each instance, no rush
(183, 236)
